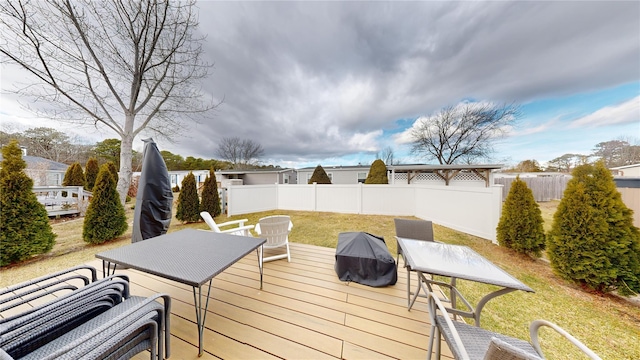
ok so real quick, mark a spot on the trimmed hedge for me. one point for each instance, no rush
(105, 218)
(521, 225)
(24, 224)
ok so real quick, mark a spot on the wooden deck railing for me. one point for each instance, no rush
(63, 200)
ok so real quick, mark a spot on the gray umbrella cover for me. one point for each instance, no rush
(154, 199)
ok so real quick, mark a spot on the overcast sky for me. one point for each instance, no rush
(333, 83)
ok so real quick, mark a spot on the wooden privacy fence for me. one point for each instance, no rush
(545, 188)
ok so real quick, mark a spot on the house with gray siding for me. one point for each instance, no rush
(340, 174)
(43, 172)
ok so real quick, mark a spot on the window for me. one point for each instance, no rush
(174, 179)
(285, 178)
(362, 176)
(330, 176)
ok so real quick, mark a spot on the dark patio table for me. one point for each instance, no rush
(191, 257)
(455, 262)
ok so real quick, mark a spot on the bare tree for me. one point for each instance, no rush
(47, 143)
(241, 153)
(463, 133)
(387, 156)
(126, 64)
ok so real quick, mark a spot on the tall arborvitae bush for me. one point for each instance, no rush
(319, 176)
(91, 170)
(210, 198)
(24, 225)
(592, 240)
(377, 173)
(105, 218)
(113, 169)
(74, 176)
(188, 209)
(520, 227)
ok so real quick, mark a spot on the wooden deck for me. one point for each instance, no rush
(302, 312)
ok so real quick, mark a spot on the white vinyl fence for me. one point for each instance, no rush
(473, 210)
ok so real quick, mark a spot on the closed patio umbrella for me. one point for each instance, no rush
(154, 199)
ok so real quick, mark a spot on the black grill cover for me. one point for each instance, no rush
(154, 199)
(365, 259)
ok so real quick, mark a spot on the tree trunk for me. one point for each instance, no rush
(126, 151)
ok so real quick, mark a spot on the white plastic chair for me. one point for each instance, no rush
(240, 229)
(276, 230)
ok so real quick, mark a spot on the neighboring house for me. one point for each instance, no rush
(225, 178)
(257, 177)
(43, 172)
(337, 174)
(463, 175)
(626, 171)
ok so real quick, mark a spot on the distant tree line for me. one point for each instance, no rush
(54, 145)
(612, 153)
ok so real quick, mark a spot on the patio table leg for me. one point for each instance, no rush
(486, 299)
(201, 313)
(107, 268)
(260, 265)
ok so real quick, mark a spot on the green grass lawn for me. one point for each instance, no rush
(607, 324)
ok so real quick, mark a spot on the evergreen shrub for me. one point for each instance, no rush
(74, 176)
(105, 218)
(521, 225)
(91, 170)
(113, 169)
(210, 198)
(592, 240)
(319, 176)
(188, 209)
(24, 224)
(377, 173)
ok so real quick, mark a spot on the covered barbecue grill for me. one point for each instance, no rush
(364, 258)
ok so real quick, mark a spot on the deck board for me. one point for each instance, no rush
(303, 312)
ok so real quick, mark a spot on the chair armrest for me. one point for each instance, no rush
(42, 286)
(244, 229)
(234, 222)
(434, 305)
(537, 324)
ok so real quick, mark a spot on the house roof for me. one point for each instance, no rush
(34, 161)
(253, 171)
(338, 167)
(624, 167)
(411, 167)
(426, 167)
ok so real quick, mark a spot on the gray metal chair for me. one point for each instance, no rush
(468, 342)
(57, 283)
(411, 229)
(99, 320)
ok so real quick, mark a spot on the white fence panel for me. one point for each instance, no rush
(297, 197)
(338, 198)
(473, 210)
(389, 200)
(245, 199)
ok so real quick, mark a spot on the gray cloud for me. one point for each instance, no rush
(310, 80)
